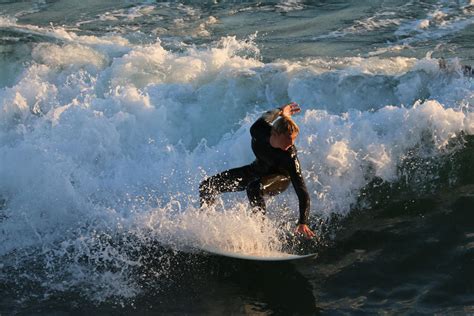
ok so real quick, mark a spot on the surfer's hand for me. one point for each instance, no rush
(290, 109)
(304, 229)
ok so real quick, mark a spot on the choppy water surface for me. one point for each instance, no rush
(112, 112)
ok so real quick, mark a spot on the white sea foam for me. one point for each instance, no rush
(101, 137)
(378, 21)
(440, 20)
(75, 56)
(290, 5)
(438, 23)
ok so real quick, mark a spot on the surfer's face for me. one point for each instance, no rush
(283, 141)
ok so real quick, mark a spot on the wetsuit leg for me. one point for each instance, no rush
(232, 180)
(255, 195)
(274, 184)
(268, 185)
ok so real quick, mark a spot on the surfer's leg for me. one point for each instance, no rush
(270, 185)
(274, 184)
(255, 195)
(231, 180)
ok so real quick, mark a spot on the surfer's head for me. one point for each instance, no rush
(284, 133)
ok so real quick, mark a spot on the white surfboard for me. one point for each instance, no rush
(272, 256)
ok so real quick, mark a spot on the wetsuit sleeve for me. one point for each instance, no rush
(264, 122)
(271, 115)
(300, 189)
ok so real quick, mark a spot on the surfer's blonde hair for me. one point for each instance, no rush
(285, 125)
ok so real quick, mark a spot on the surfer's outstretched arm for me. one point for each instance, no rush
(286, 110)
(260, 128)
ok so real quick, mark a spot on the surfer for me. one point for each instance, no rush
(275, 166)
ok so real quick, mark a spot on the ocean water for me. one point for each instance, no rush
(112, 112)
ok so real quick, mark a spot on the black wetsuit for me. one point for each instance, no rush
(271, 166)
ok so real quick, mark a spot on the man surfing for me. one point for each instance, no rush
(275, 166)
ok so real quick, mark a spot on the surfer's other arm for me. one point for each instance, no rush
(303, 196)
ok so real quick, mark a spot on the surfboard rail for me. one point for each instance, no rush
(274, 256)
